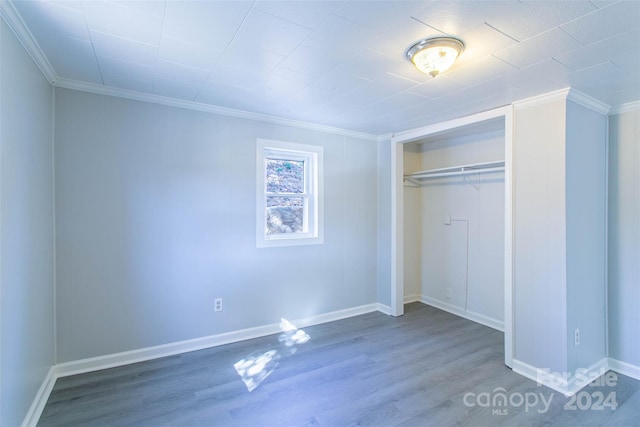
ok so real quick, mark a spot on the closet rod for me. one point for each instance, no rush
(461, 171)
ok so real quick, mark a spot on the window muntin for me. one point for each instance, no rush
(289, 192)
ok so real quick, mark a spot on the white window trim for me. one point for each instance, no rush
(314, 192)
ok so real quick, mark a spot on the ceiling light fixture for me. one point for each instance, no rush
(435, 55)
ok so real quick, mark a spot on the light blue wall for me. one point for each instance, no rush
(586, 181)
(559, 235)
(155, 214)
(624, 237)
(539, 235)
(26, 230)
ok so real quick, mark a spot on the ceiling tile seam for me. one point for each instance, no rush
(393, 58)
(457, 92)
(427, 25)
(404, 78)
(155, 75)
(63, 5)
(123, 60)
(593, 44)
(226, 49)
(596, 10)
(297, 46)
(93, 48)
(613, 61)
(608, 62)
(344, 18)
(581, 43)
(336, 116)
(343, 96)
(430, 26)
(554, 59)
(501, 32)
(133, 79)
(254, 7)
(357, 24)
(592, 67)
(567, 65)
(594, 4)
(121, 38)
(316, 78)
(504, 61)
(426, 100)
(278, 66)
(533, 37)
(125, 5)
(179, 64)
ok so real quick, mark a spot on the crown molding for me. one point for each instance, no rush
(13, 19)
(567, 94)
(385, 137)
(207, 108)
(625, 108)
(588, 102)
(11, 16)
(557, 95)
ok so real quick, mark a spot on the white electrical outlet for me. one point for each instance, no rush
(217, 304)
(576, 337)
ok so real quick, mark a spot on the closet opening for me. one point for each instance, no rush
(453, 216)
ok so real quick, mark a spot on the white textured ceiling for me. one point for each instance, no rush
(341, 63)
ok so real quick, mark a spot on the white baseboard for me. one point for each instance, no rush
(33, 415)
(411, 298)
(382, 308)
(140, 355)
(624, 368)
(149, 353)
(118, 359)
(476, 317)
(585, 375)
(533, 373)
(567, 385)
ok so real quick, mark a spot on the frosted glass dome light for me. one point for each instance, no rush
(435, 55)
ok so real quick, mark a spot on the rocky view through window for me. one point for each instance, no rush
(285, 196)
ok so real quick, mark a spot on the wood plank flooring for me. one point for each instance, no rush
(369, 370)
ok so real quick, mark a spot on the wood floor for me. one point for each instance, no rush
(369, 370)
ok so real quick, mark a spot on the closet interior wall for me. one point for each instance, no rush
(454, 227)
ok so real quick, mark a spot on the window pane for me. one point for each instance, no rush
(285, 176)
(285, 215)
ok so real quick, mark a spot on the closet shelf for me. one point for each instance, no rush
(417, 178)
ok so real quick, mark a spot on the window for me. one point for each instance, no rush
(289, 194)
